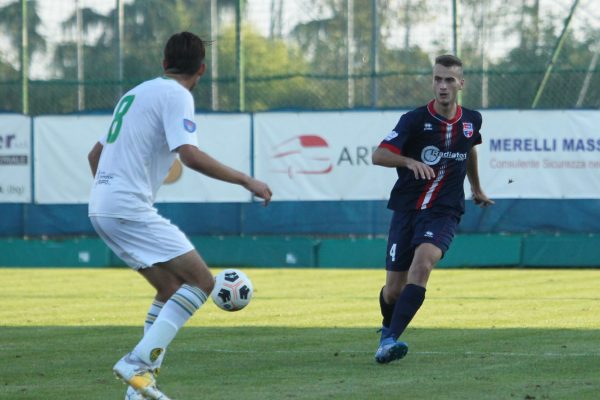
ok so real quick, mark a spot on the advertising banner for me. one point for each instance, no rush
(323, 155)
(540, 154)
(62, 173)
(15, 159)
(311, 156)
(524, 154)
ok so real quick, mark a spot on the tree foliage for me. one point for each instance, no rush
(313, 66)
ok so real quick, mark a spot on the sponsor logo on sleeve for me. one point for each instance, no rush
(189, 125)
(391, 135)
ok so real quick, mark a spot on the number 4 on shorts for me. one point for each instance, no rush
(393, 252)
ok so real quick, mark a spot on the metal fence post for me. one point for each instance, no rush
(239, 49)
(24, 58)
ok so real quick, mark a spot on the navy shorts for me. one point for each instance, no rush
(409, 229)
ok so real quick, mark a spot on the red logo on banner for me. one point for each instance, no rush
(303, 154)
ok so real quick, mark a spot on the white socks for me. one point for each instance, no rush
(153, 312)
(174, 314)
(155, 309)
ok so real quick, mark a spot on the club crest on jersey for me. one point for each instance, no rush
(188, 125)
(468, 129)
(427, 127)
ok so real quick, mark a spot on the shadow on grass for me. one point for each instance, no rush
(310, 363)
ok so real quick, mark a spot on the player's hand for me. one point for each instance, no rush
(481, 199)
(421, 170)
(259, 189)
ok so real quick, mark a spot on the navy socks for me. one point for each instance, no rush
(406, 307)
(387, 310)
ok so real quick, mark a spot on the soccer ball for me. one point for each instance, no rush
(233, 290)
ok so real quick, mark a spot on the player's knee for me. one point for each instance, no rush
(391, 293)
(208, 285)
(166, 290)
(419, 272)
(203, 280)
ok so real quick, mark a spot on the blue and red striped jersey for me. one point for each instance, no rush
(444, 145)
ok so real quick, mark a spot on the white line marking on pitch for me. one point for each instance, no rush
(425, 353)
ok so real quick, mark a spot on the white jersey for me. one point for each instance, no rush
(150, 122)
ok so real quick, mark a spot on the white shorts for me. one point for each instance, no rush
(141, 244)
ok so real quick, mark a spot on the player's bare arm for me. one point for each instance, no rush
(199, 161)
(479, 196)
(385, 158)
(94, 157)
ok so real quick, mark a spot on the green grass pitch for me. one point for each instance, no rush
(309, 334)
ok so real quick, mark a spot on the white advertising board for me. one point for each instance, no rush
(15, 159)
(62, 173)
(524, 154)
(540, 154)
(322, 155)
(311, 156)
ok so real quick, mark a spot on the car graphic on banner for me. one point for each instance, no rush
(302, 154)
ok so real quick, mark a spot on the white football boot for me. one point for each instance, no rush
(139, 376)
(133, 394)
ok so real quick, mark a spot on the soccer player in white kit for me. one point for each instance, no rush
(151, 124)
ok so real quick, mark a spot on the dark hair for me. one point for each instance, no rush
(448, 60)
(184, 53)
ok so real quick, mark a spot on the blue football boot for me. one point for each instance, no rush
(390, 350)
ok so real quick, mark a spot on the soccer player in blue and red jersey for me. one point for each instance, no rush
(432, 149)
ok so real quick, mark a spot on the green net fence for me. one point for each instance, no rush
(64, 56)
